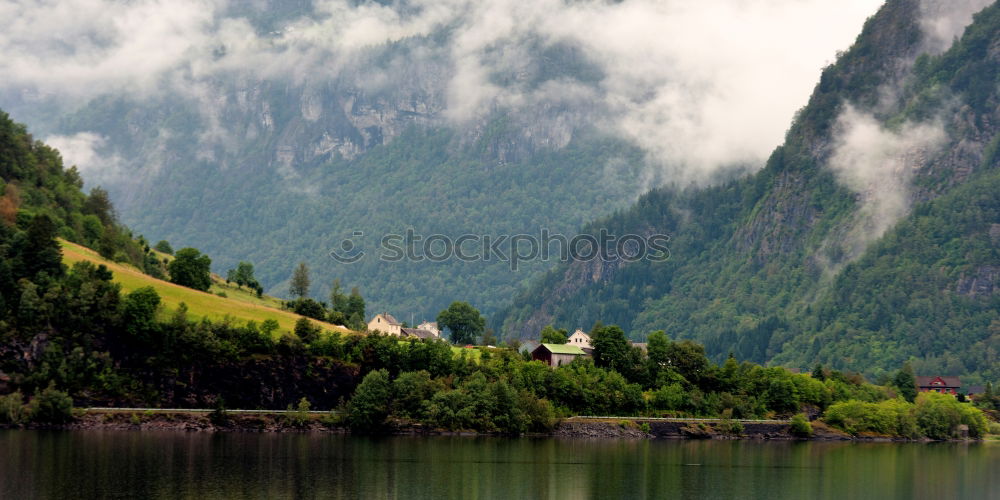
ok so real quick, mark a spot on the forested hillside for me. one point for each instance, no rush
(870, 238)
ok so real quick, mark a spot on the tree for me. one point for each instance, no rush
(299, 286)
(243, 275)
(552, 336)
(355, 309)
(489, 337)
(41, 252)
(99, 204)
(688, 359)
(338, 300)
(611, 348)
(657, 348)
(306, 331)
(191, 269)
(905, 382)
(269, 326)
(51, 406)
(371, 403)
(463, 321)
(164, 247)
(139, 311)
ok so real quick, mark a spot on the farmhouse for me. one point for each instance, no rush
(430, 326)
(385, 323)
(557, 354)
(580, 339)
(944, 385)
(975, 392)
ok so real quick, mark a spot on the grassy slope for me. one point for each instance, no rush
(239, 304)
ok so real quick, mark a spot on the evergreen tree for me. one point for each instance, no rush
(355, 304)
(905, 382)
(338, 300)
(41, 252)
(299, 286)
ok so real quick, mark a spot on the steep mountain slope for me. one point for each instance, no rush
(272, 130)
(807, 261)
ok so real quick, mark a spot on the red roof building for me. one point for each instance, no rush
(944, 385)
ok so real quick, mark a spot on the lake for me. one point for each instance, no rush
(124, 464)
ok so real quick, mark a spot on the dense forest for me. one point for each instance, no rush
(789, 266)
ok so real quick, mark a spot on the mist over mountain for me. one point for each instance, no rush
(870, 238)
(271, 130)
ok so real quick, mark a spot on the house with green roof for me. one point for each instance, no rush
(557, 354)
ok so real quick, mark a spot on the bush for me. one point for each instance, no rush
(538, 413)
(12, 409)
(892, 417)
(939, 415)
(51, 407)
(729, 426)
(801, 426)
(299, 415)
(994, 428)
(219, 415)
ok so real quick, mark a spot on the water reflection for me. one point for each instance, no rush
(180, 465)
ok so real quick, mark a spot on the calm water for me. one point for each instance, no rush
(187, 465)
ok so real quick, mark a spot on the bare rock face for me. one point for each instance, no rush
(982, 282)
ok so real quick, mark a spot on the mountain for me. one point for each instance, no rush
(871, 237)
(272, 131)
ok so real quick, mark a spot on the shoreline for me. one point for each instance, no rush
(627, 428)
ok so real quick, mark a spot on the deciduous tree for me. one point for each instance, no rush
(191, 269)
(463, 321)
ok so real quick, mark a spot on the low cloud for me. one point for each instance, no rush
(878, 165)
(943, 22)
(700, 86)
(83, 150)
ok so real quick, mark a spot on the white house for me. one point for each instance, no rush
(385, 323)
(579, 339)
(430, 326)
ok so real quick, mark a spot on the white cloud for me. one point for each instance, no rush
(83, 151)
(878, 164)
(944, 21)
(698, 85)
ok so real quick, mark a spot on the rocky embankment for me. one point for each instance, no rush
(624, 428)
